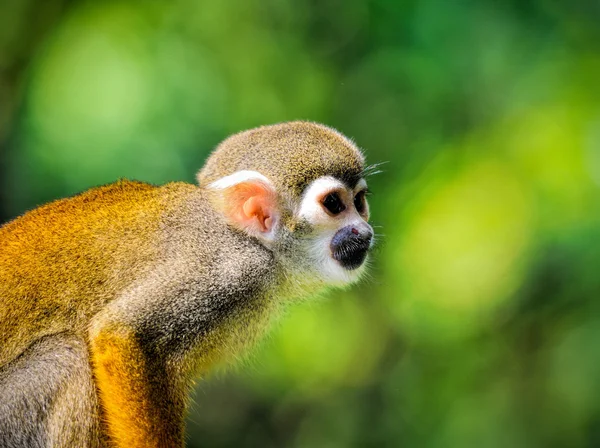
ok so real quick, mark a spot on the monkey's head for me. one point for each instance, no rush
(297, 187)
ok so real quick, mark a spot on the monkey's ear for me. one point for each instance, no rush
(249, 202)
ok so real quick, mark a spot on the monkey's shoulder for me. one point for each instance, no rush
(122, 196)
(97, 226)
(123, 188)
(74, 206)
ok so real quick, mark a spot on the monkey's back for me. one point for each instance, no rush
(60, 263)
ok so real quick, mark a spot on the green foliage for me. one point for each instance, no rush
(480, 322)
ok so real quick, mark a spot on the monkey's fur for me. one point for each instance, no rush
(114, 300)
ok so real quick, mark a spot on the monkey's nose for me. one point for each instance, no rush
(349, 246)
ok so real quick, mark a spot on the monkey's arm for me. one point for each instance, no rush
(140, 407)
(135, 343)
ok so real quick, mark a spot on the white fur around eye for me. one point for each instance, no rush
(310, 207)
(361, 185)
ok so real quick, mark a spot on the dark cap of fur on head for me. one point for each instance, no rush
(291, 155)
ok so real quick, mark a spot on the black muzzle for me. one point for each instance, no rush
(349, 246)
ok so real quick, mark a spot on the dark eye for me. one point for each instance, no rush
(333, 203)
(359, 201)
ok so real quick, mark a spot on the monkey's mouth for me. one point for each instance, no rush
(350, 248)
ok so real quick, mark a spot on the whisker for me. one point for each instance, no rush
(371, 170)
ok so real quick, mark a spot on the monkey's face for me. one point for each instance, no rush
(322, 237)
(340, 237)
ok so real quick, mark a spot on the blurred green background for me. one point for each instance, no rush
(479, 325)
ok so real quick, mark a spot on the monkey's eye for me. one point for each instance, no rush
(333, 203)
(359, 201)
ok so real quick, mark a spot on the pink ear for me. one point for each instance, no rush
(250, 205)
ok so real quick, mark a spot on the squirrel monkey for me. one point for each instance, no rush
(114, 300)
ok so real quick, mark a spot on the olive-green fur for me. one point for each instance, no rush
(291, 155)
(60, 263)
